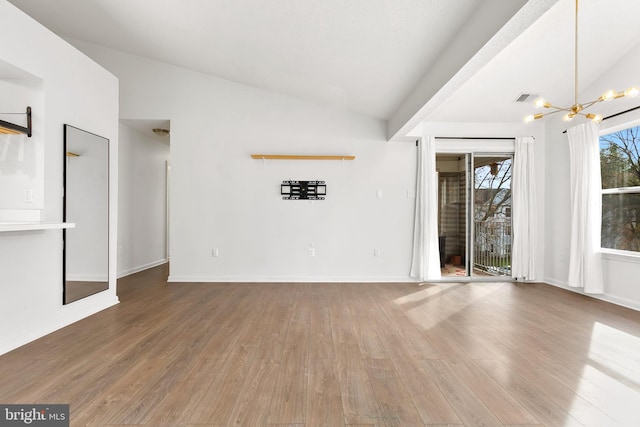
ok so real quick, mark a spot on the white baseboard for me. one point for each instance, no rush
(624, 302)
(87, 278)
(288, 279)
(73, 313)
(140, 268)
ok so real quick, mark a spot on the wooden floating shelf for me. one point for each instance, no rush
(299, 157)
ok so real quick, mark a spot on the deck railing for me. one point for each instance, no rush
(492, 247)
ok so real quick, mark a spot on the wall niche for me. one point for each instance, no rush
(21, 156)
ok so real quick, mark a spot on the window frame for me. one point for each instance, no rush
(609, 253)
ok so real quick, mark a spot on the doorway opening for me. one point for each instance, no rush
(474, 214)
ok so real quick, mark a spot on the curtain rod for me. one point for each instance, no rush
(616, 115)
(473, 137)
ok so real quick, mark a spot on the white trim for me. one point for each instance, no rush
(34, 226)
(623, 302)
(620, 255)
(621, 190)
(88, 278)
(290, 279)
(140, 268)
(620, 125)
(73, 312)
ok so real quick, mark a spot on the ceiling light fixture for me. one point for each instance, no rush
(577, 109)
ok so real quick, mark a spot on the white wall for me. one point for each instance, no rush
(620, 273)
(221, 198)
(142, 230)
(78, 92)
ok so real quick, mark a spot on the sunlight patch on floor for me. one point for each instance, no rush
(425, 292)
(456, 301)
(609, 379)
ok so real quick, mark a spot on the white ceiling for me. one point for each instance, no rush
(541, 61)
(363, 55)
(366, 56)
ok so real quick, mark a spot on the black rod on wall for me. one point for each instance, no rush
(616, 115)
(12, 128)
(621, 113)
(475, 137)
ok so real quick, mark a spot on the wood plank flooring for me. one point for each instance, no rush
(477, 354)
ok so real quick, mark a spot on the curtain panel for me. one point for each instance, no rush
(585, 263)
(523, 255)
(426, 254)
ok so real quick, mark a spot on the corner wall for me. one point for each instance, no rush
(620, 272)
(78, 92)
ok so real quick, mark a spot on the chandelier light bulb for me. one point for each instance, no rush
(596, 118)
(608, 95)
(632, 92)
(533, 117)
(541, 103)
(568, 117)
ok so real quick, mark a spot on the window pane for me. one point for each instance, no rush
(620, 221)
(620, 158)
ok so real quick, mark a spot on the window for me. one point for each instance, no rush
(620, 167)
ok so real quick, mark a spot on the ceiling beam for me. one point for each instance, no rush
(493, 26)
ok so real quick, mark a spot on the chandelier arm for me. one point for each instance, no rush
(577, 108)
(589, 104)
(554, 112)
(559, 109)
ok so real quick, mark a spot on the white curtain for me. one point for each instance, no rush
(524, 216)
(426, 254)
(585, 264)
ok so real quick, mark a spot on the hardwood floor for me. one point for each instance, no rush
(477, 354)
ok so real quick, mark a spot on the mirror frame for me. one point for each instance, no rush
(65, 219)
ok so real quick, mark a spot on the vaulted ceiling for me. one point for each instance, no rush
(397, 60)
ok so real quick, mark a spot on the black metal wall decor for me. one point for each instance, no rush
(9, 128)
(303, 190)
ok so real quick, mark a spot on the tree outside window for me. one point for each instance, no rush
(620, 168)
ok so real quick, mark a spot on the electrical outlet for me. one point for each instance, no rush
(215, 252)
(28, 195)
(376, 252)
(312, 251)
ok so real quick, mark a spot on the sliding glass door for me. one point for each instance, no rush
(474, 214)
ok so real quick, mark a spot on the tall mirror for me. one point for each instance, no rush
(86, 203)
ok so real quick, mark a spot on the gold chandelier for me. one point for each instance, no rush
(577, 108)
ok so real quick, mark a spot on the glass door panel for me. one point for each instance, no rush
(492, 215)
(474, 214)
(453, 208)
